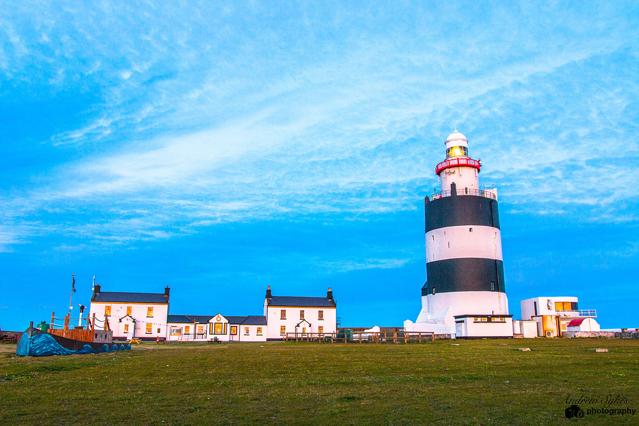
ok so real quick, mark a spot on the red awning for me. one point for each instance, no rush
(576, 322)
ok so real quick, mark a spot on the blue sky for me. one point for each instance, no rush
(218, 147)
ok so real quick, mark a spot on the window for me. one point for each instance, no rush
(149, 312)
(107, 310)
(246, 331)
(200, 329)
(283, 314)
(126, 328)
(320, 329)
(129, 310)
(303, 330)
(219, 328)
(159, 330)
(470, 229)
(259, 331)
(301, 314)
(187, 329)
(565, 306)
(320, 315)
(234, 330)
(149, 328)
(282, 330)
(457, 151)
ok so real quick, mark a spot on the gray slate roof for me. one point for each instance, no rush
(318, 302)
(255, 320)
(117, 296)
(188, 319)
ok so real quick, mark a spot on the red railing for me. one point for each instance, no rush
(457, 162)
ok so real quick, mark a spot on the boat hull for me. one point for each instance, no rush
(39, 343)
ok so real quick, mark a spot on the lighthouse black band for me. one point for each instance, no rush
(461, 210)
(464, 274)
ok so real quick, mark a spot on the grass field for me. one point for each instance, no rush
(459, 382)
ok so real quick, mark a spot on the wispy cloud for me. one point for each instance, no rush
(236, 127)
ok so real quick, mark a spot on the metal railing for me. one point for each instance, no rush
(587, 312)
(488, 193)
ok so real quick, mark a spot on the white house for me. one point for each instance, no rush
(553, 314)
(304, 316)
(130, 315)
(223, 328)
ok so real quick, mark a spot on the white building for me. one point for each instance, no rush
(473, 326)
(145, 316)
(130, 315)
(298, 315)
(553, 314)
(222, 328)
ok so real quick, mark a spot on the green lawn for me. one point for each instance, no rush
(461, 382)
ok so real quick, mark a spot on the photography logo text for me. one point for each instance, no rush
(578, 406)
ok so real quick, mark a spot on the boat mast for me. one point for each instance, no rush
(72, 291)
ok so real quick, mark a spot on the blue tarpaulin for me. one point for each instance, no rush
(43, 344)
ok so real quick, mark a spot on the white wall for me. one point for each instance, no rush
(464, 177)
(543, 307)
(252, 333)
(526, 329)
(293, 318)
(449, 304)
(468, 241)
(470, 328)
(190, 336)
(138, 311)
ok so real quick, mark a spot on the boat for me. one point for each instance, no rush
(46, 339)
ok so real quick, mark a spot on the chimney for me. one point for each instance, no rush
(167, 291)
(329, 294)
(96, 289)
(268, 292)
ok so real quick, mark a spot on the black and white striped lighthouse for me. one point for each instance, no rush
(464, 264)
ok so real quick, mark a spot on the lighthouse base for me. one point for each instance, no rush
(464, 314)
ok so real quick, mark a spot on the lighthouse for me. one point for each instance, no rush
(464, 294)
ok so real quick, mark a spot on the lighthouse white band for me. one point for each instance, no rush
(467, 241)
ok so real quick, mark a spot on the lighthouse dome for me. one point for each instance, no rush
(456, 139)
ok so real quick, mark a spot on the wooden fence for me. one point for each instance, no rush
(353, 336)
